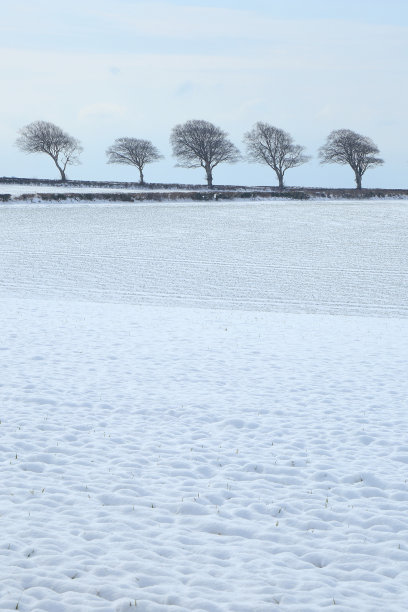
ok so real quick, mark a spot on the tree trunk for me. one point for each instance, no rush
(209, 176)
(141, 176)
(280, 178)
(62, 171)
(358, 180)
(63, 175)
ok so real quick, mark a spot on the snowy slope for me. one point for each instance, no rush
(161, 458)
(346, 258)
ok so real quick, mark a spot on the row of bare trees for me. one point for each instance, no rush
(199, 143)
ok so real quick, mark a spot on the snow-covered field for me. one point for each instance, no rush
(337, 258)
(17, 189)
(192, 416)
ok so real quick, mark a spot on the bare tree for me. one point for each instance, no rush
(45, 137)
(199, 143)
(133, 152)
(274, 147)
(349, 148)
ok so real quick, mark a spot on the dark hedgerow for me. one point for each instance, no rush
(163, 196)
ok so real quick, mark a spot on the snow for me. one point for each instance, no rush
(16, 189)
(193, 416)
(336, 258)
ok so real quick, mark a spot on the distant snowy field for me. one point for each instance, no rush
(16, 189)
(192, 419)
(336, 258)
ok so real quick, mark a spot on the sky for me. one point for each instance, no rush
(102, 70)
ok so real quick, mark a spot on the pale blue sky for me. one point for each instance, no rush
(102, 70)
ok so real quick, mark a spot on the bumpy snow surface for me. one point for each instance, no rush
(192, 416)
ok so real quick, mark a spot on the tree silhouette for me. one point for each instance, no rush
(45, 137)
(199, 143)
(274, 147)
(346, 147)
(133, 152)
